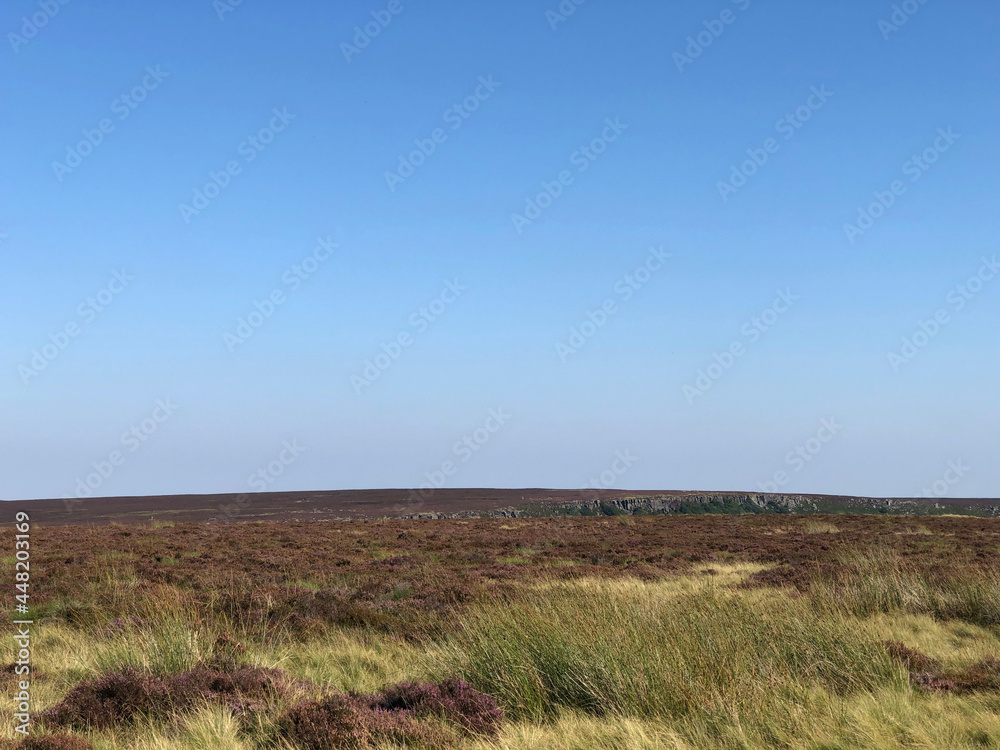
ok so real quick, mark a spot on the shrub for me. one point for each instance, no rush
(456, 701)
(913, 660)
(932, 683)
(235, 689)
(58, 741)
(340, 721)
(120, 698)
(107, 701)
(984, 675)
(926, 673)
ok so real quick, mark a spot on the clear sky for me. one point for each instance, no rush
(669, 245)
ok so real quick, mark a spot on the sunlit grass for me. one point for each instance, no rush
(689, 645)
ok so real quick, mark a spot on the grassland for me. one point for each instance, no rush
(695, 632)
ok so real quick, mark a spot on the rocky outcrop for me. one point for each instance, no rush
(718, 502)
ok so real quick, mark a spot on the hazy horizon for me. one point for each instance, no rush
(709, 491)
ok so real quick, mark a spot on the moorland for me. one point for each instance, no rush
(616, 631)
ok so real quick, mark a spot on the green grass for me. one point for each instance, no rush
(693, 663)
(881, 582)
(662, 650)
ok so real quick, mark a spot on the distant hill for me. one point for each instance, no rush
(469, 503)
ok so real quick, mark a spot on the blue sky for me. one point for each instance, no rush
(453, 180)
